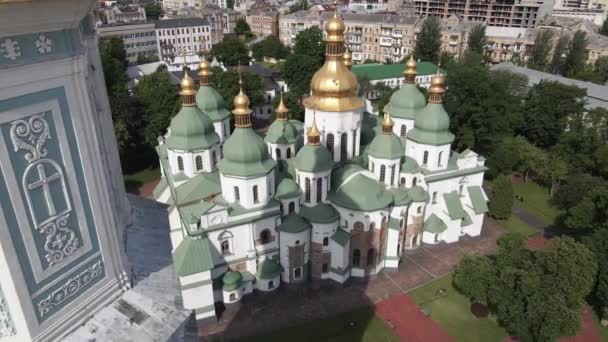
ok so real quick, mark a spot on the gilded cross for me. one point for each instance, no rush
(44, 182)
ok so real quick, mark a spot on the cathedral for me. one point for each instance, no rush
(341, 196)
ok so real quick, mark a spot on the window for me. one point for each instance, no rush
(343, 146)
(278, 152)
(419, 210)
(237, 195)
(307, 190)
(180, 163)
(425, 158)
(402, 180)
(414, 181)
(255, 194)
(372, 166)
(435, 197)
(461, 189)
(436, 238)
(382, 172)
(356, 257)
(270, 284)
(292, 207)
(330, 144)
(213, 158)
(288, 152)
(226, 247)
(370, 257)
(439, 158)
(297, 273)
(199, 163)
(232, 296)
(265, 236)
(325, 268)
(297, 242)
(326, 241)
(392, 174)
(319, 189)
(358, 226)
(403, 130)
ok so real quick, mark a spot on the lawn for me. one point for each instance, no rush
(536, 201)
(368, 328)
(451, 311)
(136, 180)
(515, 225)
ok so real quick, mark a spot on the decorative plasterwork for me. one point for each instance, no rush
(7, 327)
(39, 47)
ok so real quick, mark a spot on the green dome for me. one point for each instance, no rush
(432, 126)
(386, 146)
(410, 165)
(268, 269)
(362, 193)
(191, 130)
(287, 189)
(314, 158)
(245, 154)
(210, 102)
(232, 280)
(281, 132)
(406, 102)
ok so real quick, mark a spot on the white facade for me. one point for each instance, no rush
(173, 36)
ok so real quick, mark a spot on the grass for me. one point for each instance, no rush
(369, 328)
(536, 201)
(452, 312)
(515, 225)
(135, 180)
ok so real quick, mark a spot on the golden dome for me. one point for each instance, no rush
(314, 136)
(347, 58)
(204, 71)
(282, 110)
(187, 91)
(335, 27)
(411, 63)
(241, 101)
(437, 87)
(387, 124)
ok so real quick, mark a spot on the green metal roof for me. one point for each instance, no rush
(410, 165)
(455, 173)
(281, 132)
(293, 223)
(418, 194)
(342, 173)
(210, 102)
(268, 269)
(160, 187)
(313, 158)
(480, 206)
(245, 154)
(434, 225)
(341, 237)
(197, 188)
(287, 189)
(377, 71)
(192, 256)
(401, 196)
(361, 193)
(232, 280)
(191, 130)
(386, 146)
(321, 213)
(432, 126)
(455, 209)
(406, 102)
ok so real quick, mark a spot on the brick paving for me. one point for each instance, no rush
(290, 305)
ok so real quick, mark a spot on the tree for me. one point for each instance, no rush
(531, 158)
(558, 60)
(547, 108)
(601, 70)
(577, 49)
(576, 186)
(428, 41)
(505, 157)
(604, 28)
(473, 277)
(542, 48)
(298, 71)
(241, 27)
(160, 102)
(271, 46)
(301, 5)
(114, 64)
(501, 201)
(231, 51)
(153, 11)
(310, 43)
(598, 244)
(384, 94)
(554, 170)
(590, 214)
(477, 39)
(227, 84)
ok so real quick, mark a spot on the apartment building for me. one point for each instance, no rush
(263, 20)
(503, 13)
(122, 14)
(176, 35)
(510, 43)
(139, 39)
(174, 6)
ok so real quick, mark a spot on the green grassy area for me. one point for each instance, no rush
(135, 180)
(368, 328)
(515, 225)
(452, 312)
(536, 201)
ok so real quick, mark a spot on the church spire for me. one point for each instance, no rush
(347, 58)
(314, 136)
(410, 71)
(437, 88)
(204, 72)
(241, 111)
(282, 110)
(387, 124)
(187, 91)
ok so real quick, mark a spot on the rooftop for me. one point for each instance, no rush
(181, 22)
(377, 71)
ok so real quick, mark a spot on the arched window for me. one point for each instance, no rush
(402, 180)
(373, 166)
(343, 146)
(326, 241)
(435, 197)
(255, 194)
(180, 163)
(292, 207)
(199, 163)
(419, 210)
(392, 174)
(232, 296)
(372, 226)
(370, 257)
(425, 158)
(439, 158)
(278, 152)
(401, 223)
(265, 236)
(237, 195)
(358, 226)
(307, 190)
(319, 189)
(288, 152)
(213, 159)
(356, 257)
(436, 238)
(461, 189)
(414, 181)
(354, 142)
(403, 130)
(382, 172)
(330, 144)
(226, 247)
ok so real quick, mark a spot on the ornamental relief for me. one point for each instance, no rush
(7, 327)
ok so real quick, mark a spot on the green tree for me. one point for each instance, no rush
(531, 157)
(114, 64)
(501, 201)
(575, 59)
(310, 43)
(542, 48)
(604, 28)
(153, 11)
(558, 61)
(601, 70)
(298, 71)
(428, 40)
(547, 108)
(227, 84)
(575, 187)
(554, 170)
(590, 214)
(241, 27)
(271, 46)
(598, 244)
(477, 39)
(231, 51)
(473, 277)
(505, 157)
(160, 102)
(301, 5)
(384, 94)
